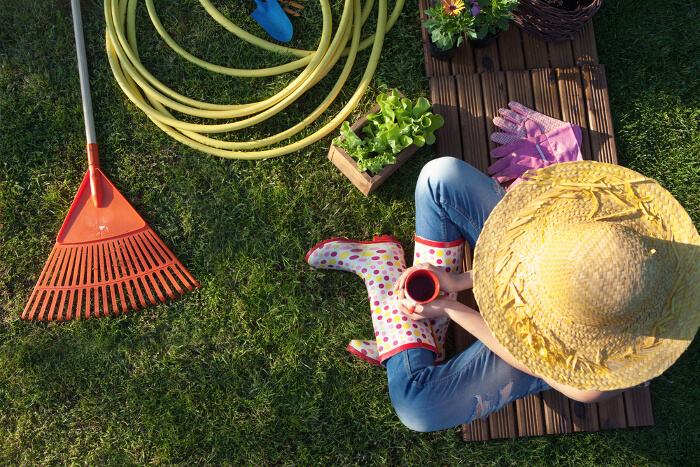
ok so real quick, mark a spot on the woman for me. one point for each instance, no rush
(567, 335)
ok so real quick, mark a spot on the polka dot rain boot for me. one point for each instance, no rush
(448, 256)
(379, 263)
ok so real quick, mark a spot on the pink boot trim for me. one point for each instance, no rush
(448, 256)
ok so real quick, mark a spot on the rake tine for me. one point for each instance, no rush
(172, 264)
(134, 272)
(189, 282)
(35, 300)
(57, 278)
(94, 279)
(45, 279)
(67, 314)
(126, 272)
(145, 277)
(104, 301)
(47, 296)
(110, 276)
(100, 305)
(85, 253)
(76, 282)
(118, 273)
(85, 299)
(108, 280)
(63, 282)
(152, 261)
(49, 278)
(30, 307)
(143, 241)
(140, 279)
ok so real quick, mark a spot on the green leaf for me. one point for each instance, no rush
(421, 107)
(404, 142)
(436, 121)
(388, 111)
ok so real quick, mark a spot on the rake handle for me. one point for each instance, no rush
(92, 153)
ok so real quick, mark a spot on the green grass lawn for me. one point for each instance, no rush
(251, 368)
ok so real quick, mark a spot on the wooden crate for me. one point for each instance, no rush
(362, 180)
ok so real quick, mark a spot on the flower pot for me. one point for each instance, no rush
(365, 182)
(485, 42)
(440, 54)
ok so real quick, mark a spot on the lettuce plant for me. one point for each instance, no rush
(398, 124)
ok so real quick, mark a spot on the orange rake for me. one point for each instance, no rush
(105, 252)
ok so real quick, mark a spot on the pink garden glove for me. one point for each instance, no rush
(562, 144)
(521, 122)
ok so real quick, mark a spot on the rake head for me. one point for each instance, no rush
(104, 278)
(106, 261)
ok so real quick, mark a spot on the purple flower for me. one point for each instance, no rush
(474, 8)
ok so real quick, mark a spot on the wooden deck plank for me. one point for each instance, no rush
(546, 94)
(535, 51)
(573, 108)
(463, 61)
(510, 50)
(493, 86)
(519, 85)
(601, 132)
(443, 94)
(486, 58)
(530, 416)
(502, 423)
(583, 45)
(611, 413)
(472, 121)
(557, 415)
(560, 54)
(638, 407)
(478, 430)
(584, 417)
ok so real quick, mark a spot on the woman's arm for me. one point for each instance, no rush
(472, 321)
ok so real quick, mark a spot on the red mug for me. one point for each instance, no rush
(422, 286)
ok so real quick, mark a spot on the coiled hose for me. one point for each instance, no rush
(154, 98)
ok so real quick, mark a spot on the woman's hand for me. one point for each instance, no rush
(434, 309)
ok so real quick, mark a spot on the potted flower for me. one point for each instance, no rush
(448, 21)
(381, 141)
(491, 17)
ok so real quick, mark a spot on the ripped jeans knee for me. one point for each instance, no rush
(471, 385)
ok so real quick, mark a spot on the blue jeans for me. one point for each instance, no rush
(453, 200)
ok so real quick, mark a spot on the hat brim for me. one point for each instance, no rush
(510, 297)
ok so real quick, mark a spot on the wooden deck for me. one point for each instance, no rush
(563, 80)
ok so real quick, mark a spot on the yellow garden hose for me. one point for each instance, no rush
(154, 98)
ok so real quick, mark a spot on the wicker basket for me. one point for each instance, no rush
(550, 23)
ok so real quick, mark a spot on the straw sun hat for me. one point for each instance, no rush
(588, 274)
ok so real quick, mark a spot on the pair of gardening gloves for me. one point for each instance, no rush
(531, 140)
